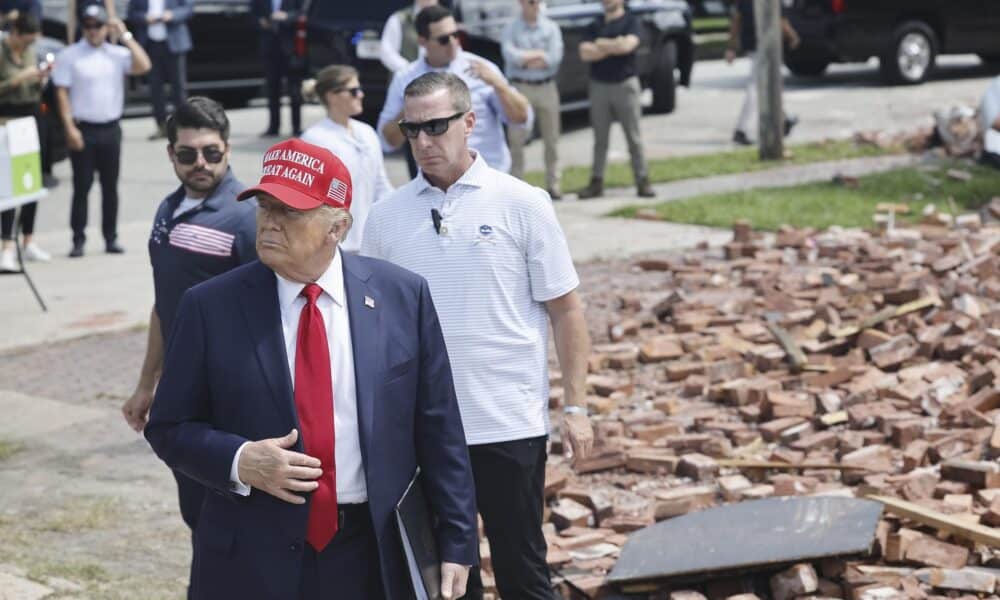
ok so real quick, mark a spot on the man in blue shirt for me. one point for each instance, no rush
(532, 47)
(494, 101)
(200, 231)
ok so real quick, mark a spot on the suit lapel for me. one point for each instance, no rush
(364, 319)
(263, 316)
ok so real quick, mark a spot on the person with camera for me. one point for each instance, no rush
(22, 78)
(90, 85)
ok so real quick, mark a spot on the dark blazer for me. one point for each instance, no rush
(277, 37)
(178, 36)
(226, 381)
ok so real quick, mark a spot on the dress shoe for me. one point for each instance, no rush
(77, 250)
(594, 189)
(644, 189)
(159, 134)
(741, 138)
(297, 133)
(555, 194)
(270, 133)
(790, 123)
(49, 181)
(114, 248)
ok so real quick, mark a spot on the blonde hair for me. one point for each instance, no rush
(335, 214)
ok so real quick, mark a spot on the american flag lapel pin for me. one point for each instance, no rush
(369, 302)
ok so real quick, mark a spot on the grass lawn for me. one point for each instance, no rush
(710, 24)
(824, 204)
(664, 170)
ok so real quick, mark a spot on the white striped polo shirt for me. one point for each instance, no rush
(500, 256)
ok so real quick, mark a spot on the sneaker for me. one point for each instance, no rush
(741, 138)
(114, 248)
(33, 252)
(8, 261)
(594, 189)
(77, 250)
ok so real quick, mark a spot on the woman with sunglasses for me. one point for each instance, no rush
(337, 88)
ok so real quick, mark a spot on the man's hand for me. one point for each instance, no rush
(730, 55)
(269, 467)
(74, 139)
(136, 409)
(167, 16)
(578, 436)
(279, 16)
(537, 62)
(478, 68)
(454, 579)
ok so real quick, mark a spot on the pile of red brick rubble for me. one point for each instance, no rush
(841, 362)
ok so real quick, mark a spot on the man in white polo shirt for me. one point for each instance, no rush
(499, 269)
(90, 83)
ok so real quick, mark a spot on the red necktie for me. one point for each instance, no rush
(314, 401)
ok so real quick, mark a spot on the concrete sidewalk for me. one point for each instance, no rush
(101, 292)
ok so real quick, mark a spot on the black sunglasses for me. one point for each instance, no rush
(189, 156)
(432, 127)
(91, 25)
(354, 91)
(447, 37)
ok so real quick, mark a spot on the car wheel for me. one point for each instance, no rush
(235, 97)
(806, 67)
(910, 58)
(663, 80)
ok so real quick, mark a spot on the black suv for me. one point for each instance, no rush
(349, 33)
(905, 35)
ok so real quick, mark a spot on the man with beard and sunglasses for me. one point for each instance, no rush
(200, 231)
(499, 270)
(494, 100)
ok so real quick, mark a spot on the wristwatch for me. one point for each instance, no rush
(126, 36)
(575, 410)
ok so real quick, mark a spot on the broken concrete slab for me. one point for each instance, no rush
(748, 535)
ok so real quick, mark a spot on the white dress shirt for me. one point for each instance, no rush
(332, 304)
(95, 79)
(358, 146)
(156, 31)
(392, 42)
(989, 111)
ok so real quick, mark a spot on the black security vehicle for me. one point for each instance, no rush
(349, 32)
(905, 35)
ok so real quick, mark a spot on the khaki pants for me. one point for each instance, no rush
(616, 101)
(544, 99)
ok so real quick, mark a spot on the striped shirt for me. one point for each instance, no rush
(500, 256)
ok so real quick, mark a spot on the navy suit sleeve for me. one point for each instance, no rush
(180, 429)
(135, 14)
(440, 440)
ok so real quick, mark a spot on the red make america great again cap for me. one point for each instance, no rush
(303, 176)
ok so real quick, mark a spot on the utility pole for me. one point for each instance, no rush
(767, 15)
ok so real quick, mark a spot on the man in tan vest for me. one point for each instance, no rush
(399, 36)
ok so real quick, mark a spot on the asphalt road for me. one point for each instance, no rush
(848, 99)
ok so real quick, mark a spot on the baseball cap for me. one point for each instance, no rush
(94, 12)
(303, 176)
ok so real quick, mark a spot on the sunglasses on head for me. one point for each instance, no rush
(433, 127)
(189, 156)
(354, 91)
(446, 38)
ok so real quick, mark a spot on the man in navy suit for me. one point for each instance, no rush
(304, 390)
(161, 27)
(276, 22)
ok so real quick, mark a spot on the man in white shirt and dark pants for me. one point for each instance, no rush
(90, 83)
(499, 271)
(354, 142)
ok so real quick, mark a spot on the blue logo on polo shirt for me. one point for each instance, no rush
(485, 230)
